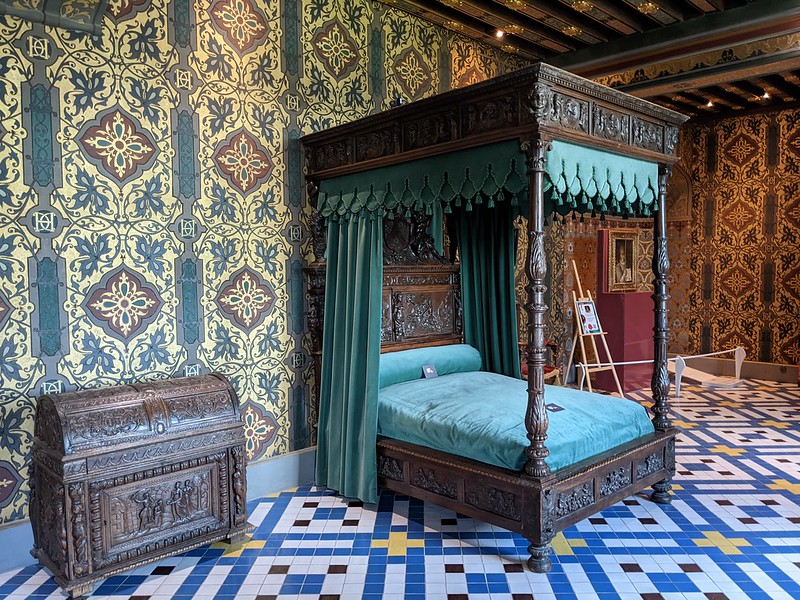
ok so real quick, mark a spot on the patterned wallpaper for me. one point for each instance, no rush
(740, 280)
(153, 220)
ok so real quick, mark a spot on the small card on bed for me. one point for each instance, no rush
(429, 371)
(553, 407)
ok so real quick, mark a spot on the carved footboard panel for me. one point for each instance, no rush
(537, 508)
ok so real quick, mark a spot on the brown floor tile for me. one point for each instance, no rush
(279, 569)
(631, 568)
(453, 568)
(513, 568)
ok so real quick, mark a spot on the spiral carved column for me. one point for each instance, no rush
(536, 420)
(660, 382)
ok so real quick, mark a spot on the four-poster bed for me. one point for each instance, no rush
(541, 139)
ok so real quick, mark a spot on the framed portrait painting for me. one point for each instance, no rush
(622, 260)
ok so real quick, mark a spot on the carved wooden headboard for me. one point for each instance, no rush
(421, 306)
(421, 288)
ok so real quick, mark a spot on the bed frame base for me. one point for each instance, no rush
(537, 508)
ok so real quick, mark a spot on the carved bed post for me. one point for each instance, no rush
(315, 271)
(536, 420)
(660, 382)
(536, 269)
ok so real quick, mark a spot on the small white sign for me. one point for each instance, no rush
(429, 371)
(587, 315)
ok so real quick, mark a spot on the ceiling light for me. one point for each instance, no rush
(499, 33)
(709, 104)
(582, 6)
(647, 8)
(765, 95)
(572, 31)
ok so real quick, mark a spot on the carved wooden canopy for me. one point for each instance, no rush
(536, 102)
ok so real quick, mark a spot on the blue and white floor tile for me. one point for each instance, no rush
(731, 533)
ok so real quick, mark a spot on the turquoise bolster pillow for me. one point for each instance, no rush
(406, 365)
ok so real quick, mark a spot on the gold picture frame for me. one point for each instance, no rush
(623, 260)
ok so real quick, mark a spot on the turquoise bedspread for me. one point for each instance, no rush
(481, 415)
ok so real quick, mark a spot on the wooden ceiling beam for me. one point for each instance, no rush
(748, 87)
(784, 87)
(678, 10)
(625, 13)
(675, 105)
(446, 13)
(725, 96)
(513, 17)
(693, 98)
(594, 28)
(709, 32)
(682, 105)
(717, 74)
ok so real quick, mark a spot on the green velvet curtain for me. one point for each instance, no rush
(485, 240)
(348, 412)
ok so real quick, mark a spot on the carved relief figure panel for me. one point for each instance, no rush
(135, 511)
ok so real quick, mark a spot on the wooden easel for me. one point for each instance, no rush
(580, 336)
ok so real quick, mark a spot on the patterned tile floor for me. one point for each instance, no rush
(732, 533)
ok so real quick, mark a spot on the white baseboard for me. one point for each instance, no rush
(750, 369)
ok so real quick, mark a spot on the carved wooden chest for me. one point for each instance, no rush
(127, 475)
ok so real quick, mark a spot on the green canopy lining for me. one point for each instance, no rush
(465, 177)
(577, 179)
(584, 179)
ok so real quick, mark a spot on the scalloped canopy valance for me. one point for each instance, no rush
(577, 178)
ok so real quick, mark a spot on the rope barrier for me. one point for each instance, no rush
(680, 365)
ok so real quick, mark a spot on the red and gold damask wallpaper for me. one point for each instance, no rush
(741, 261)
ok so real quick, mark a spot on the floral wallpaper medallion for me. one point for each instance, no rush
(240, 22)
(117, 143)
(125, 302)
(737, 280)
(335, 48)
(243, 162)
(413, 73)
(259, 429)
(739, 216)
(742, 149)
(247, 299)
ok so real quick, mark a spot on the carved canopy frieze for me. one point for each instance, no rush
(558, 103)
